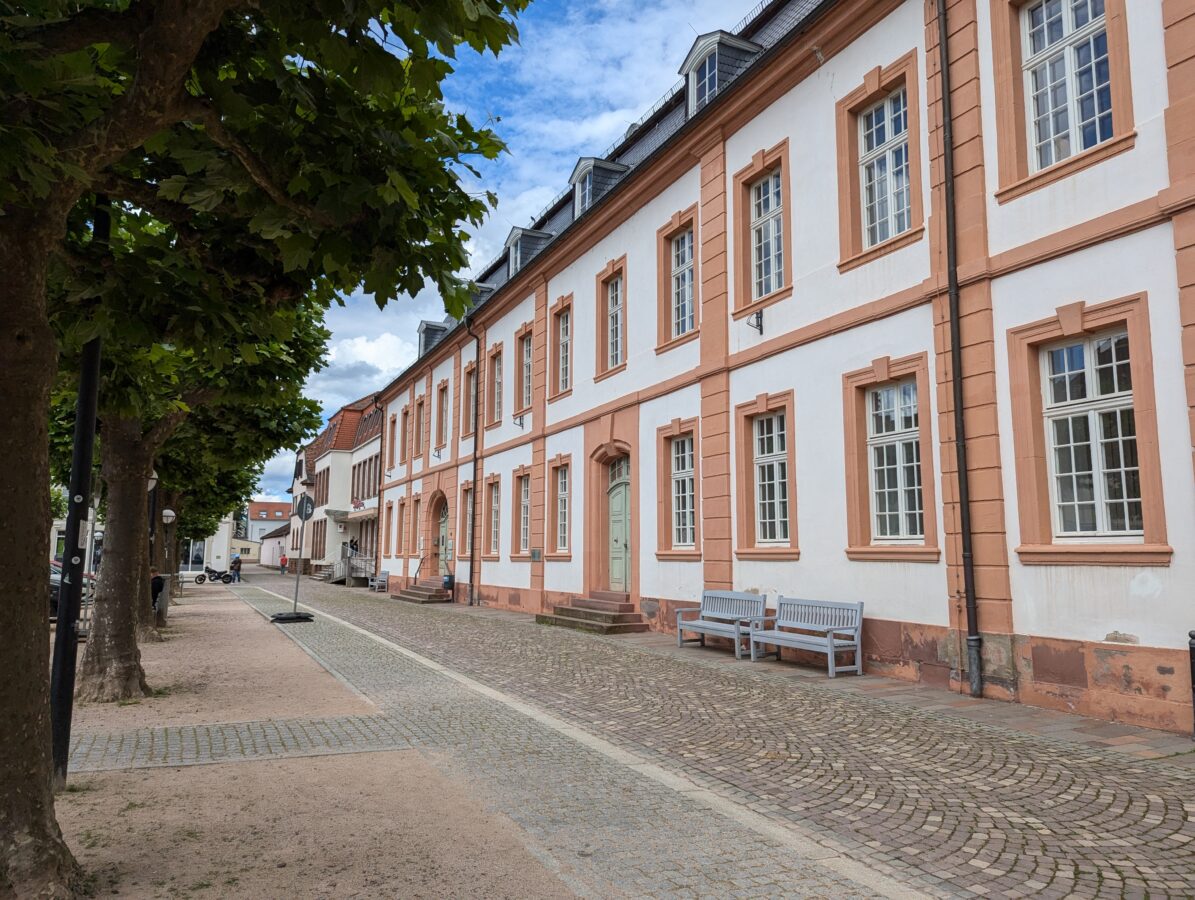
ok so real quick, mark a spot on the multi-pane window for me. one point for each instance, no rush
(495, 516)
(767, 236)
(884, 164)
(525, 370)
(683, 319)
(1066, 74)
(771, 478)
(894, 450)
(614, 313)
(470, 401)
(496, 387)
(467, 497)
(1092, 434)
(419, 428)
(585, 192)
(684, 514)
(705, 80)
(442, 416)
(403, 437)
(564, 350)
(562, 508)
(524, 513)
(515, 259)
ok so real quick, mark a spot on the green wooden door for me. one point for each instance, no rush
(618, 504)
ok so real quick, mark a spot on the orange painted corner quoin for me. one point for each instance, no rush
(762, 163)
(748, 547)
(879, 83)
(862, 545)
(1038, 546)
(1017, 176)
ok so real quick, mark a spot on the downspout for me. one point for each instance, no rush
(476, 460)
(974, 639)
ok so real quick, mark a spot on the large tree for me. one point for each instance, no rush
(317, 125)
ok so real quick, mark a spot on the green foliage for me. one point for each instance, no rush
(58, 503)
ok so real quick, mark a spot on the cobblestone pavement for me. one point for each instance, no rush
(184, 745)
(962, 807)
(605, 827)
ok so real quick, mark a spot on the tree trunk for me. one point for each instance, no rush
(34, 860)
(111, 668)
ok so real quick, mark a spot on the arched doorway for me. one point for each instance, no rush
(440, 549)
(618, 511)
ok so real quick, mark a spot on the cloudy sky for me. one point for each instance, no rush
(581, 73)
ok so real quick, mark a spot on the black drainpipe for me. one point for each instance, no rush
(974, 639)
(476, 437)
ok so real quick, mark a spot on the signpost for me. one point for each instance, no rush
(305, 510)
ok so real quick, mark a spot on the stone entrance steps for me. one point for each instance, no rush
(423, 592)
(603, 612)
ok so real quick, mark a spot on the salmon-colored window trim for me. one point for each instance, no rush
(391, 440)
(562, 306)
(469, 380)
(558, 462)
(764, 162)
(879, 83)
(1017, 177)
(442, 414)
(665, 435)
(681, 221)
(744, 414)
(415, 524)
(495, 387)
(855, 387)
(420, 413)
(615, 268)
(524, 332)
(464, 520)
(516, 500)
(404, 436)
(389, 528)
(487, 528)
(400, 525)
(1038, 544)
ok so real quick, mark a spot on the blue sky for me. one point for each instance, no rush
(581, 73)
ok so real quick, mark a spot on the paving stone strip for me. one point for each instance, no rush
(978, 808)
(602, 826)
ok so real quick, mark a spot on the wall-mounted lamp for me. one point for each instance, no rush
(755, 320)
(518, 420)
(438, 453)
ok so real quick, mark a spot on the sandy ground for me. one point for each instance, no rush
(383, 824)
(359, 825)
(223, 662)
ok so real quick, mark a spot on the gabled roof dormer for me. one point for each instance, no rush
(591, 178)
(715, 60)
(521, 245)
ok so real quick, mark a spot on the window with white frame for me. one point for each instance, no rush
(468, 522)
(684, 514)
(470, 401)
(525, 362)
(683, 319)
(524, 513)
(614, 312)
(495, 517)
(515, 261)
(705, 80)
(584, 189)
(562, 508)
(564, 350)
(496, 375)
(884, 168)
(1091, 430)
(767, 236)
(894, 450)
(771, 478)
(1067, 80)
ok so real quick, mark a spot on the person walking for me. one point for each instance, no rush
(282, 561)
(235, 568)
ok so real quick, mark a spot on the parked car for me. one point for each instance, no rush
(56, 587)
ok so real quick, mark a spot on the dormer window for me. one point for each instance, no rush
(515, 260)
(705, 79)
(521, 246)
(585, 192)
(591, 178)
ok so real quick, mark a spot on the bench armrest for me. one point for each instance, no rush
(688, 609)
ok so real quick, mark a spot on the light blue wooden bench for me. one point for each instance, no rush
(727, 614)
(835, 627)
(379, 582)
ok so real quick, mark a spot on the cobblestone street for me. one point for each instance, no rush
(932, 801)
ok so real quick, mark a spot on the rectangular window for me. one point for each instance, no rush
(403, 438)
(442, 416)
(470, 401)
(1092, 435)
(564, 350)
(684, 524)
(524, 513)
(562, 509)
(705, 83)
(495, 516)
(683, 319)
(419, 428)
(771, 479)
(767, 236)
(496, 388)
(1066, 71)
(400, 530)
(884, 164)
(467, 521)
(614, 313)
(525, 361)
(894, 451)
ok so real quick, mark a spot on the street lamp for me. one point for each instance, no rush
(153, 480)
(168, 517)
